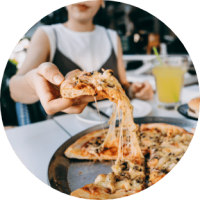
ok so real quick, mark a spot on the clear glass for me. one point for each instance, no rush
(169, 76)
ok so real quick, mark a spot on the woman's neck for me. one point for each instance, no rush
(79, 26)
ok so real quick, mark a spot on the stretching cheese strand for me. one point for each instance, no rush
(117, 95)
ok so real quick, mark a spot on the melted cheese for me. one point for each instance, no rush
(166, 146)
(126, 175)
(164, 157)
(124, 178)
(106, 85)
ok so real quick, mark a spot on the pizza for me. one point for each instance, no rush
(162, 145)
(165, 145)
(107, 86)
(143, 155)
(127, 178)
(90, 83)
(84, 147)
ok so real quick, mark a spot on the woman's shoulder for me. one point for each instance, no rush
(50, 28)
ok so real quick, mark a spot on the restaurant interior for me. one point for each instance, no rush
(153, 56)
(139, 32)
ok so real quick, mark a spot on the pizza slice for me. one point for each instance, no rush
(166, 144)
(86, 147)
(90, 83)
(106, 85)
(127, 178)
(162, 144)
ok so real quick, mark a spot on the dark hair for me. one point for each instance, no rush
(61, 16)
(57, 16)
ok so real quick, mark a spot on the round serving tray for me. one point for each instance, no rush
(67, 175)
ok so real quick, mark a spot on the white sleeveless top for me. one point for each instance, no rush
(89, 50)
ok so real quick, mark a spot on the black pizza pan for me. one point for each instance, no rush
(67, 175)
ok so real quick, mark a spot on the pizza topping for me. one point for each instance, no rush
(107, 85)
(129, 174)
(163, 145)
(126, 175)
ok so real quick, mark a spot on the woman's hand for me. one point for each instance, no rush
(45, 81)
(141, 91)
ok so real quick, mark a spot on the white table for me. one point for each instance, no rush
(36, 143)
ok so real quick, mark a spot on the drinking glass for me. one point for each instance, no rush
(169, 75)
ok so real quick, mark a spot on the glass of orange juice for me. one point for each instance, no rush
(169, 75)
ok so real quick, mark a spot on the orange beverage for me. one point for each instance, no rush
(169, 76)
(169, 82)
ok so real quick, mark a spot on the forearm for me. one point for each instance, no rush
(22, 88)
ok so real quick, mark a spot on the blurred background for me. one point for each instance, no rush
(139, 32)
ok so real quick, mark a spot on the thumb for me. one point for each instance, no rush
(137, 84)
(51, 73)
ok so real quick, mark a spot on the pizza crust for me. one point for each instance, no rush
(162, 127)
(100, 192)
(161, 141)
(173, 141)
(96, 191)
(75, 150)
(68, 91)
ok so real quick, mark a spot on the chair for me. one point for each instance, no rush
(17, 114)
(27, 114)
(23, 115)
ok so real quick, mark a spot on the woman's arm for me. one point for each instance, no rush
(120, 64)
(36, 80)
(135, 90)
(121, 69)
(21, 89)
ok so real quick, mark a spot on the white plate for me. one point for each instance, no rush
(141, 109)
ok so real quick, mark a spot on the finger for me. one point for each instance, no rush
(137, 84)
(57, 105)
(145, 95)
(51, 73)
(75, 109)
(73, 73)
(48, 101)
(146, 88)
(148, 85)
(143, 91)
(136, 87)
(86, 99)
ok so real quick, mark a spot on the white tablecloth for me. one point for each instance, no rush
(35, 144)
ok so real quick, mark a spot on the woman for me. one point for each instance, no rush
(59, 49)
